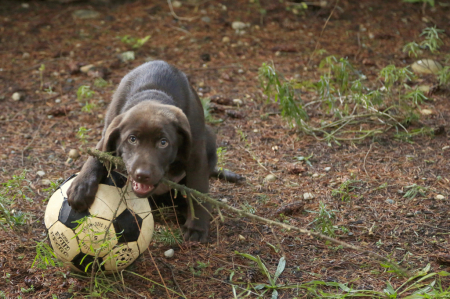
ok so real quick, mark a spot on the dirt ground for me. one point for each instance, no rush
(38, 131)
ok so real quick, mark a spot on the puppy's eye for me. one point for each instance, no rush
(163, 143)
(132, 139)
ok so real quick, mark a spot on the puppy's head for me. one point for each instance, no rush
(149, 137)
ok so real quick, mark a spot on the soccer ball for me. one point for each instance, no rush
(76, 238)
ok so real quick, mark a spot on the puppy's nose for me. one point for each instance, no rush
(142, 175)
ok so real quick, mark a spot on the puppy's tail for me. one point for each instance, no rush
(218, 172)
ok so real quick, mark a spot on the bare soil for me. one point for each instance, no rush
(38, 131)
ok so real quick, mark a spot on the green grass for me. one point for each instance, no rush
(15, 189)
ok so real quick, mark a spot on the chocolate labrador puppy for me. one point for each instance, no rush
(155, 122)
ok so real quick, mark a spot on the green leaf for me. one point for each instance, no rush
(280, 268)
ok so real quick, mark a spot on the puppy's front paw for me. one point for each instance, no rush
(196, 232)
(81, 193)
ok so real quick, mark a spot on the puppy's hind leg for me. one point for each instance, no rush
(211, 149)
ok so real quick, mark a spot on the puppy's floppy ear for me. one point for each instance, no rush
(112, 134)
(183, 129)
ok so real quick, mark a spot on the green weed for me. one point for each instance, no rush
(88, 107)
(221, 153)
(305, 159)
(412, 48)
(444, 76)
(324, 220)
(414, 190)
(134, 42)
(344, 190)
(207, 111)
(45, 256)
(416, 97)
(272, 286)
(432, 39)
(100, 83)
(246, 207)
(408, 136)
(84, 92)
(12, 190)
(282, 93)
(168, 236)
(82, 134)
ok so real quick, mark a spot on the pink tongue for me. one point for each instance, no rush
(141, 188)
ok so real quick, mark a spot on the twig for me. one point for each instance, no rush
(200, 197)
(175, 15)
(173, 275)
(364, 164)
(321, 33)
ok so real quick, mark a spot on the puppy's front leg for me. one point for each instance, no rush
(81, 194)
(197, 177)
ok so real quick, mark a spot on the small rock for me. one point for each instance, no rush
(40, 173)
(439, 197)
(308, 196)
(316, 175)
(424, 88)
(58, 101)
(86, 68)
(236, 25)
(127, 56)
(241, 238)
(177, 4)
(426, 112)
(46, 182)
(17, 96)
(74, 154)
(389, 201)
(238, 102)
(426, 66)
(169, 253)
(206, 19)
(224, 200)
(225, 39)
(85, 14)
(270, 178)
(26, 55)
(327, 169)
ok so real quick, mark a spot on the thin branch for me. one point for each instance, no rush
(200, 197)
(175, 15)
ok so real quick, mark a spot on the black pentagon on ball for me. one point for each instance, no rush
(68, 216)
(83, 260)
(128, 226)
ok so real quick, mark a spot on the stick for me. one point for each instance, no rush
(200, 197)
